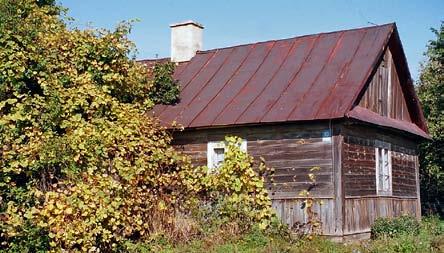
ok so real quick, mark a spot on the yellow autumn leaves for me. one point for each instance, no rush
(82, 165)
(241, 187)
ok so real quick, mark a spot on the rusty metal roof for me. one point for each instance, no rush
(365, 115)
(311, 77)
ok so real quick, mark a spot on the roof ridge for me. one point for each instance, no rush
(297, 37)
(275, 40)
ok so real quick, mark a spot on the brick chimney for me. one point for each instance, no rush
(186, 40)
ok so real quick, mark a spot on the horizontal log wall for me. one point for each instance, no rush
(362, 205)
(292, 150)
(358, 168)
(292, 160)
(295, 148)
(404, 174)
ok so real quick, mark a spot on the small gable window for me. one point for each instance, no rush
(383, 171)
(216, 153)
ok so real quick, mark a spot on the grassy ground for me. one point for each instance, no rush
(429, 239)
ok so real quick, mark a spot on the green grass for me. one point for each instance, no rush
(429, 239)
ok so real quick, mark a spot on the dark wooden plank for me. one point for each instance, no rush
(303, 164)
(301, 178)
(418, 195)
(338, 185)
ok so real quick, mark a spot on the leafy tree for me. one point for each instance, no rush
(165, 89)
(82, 165)
(76, 142)
(431, 94)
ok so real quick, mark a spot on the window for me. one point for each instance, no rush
(216, 153)
(218, 156)
(383, 171)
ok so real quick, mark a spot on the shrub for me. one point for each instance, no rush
(234, 196)
(433, 224)
(165, 89)
(239, 189)
(395, 226)
(30, 239)
(82, 164)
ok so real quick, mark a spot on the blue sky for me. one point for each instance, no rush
(232, 22)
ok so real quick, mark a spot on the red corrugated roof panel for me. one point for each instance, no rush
(240, 77)
(357, 72)
(216, 84)
(333, 72)
(304, 78)
(257, 82)
(266, 99)
(299, 88)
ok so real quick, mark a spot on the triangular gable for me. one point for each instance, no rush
(384, 94)
(390, 92)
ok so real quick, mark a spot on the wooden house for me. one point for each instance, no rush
(343, 101)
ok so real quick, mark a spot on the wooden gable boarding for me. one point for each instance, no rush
(384, 95)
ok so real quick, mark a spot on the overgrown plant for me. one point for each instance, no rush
(390, 227)
(82, 166)
(236, 190)
(165, 89)
(313, 225)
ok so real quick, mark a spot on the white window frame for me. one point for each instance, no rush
(212, 145)
(384, 190)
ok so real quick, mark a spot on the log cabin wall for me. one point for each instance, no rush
(362, 204)
(358, 166)
(292, 150)
(346, 180)
(404, 174)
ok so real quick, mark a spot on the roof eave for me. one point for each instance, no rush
(370, 117)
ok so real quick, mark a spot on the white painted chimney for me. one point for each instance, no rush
(186, 40)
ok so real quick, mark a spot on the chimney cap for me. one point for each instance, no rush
(187, 22)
